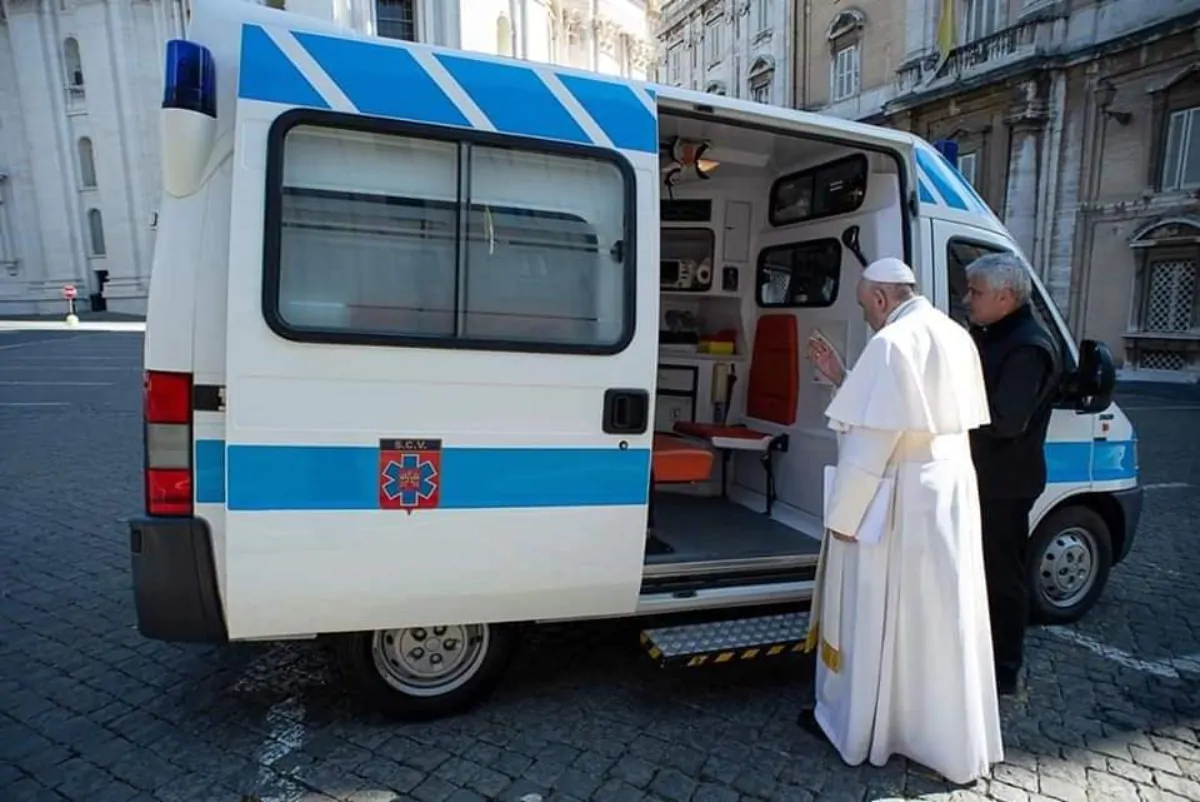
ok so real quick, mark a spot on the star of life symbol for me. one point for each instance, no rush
(410, 480)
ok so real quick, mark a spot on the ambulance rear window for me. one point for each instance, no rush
(394, 239)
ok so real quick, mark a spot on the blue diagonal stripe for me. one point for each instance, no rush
(267, 74)
(617, 110)
(965, 185)
(514, 98)
(383, 80)
(923, 189)
(955, 176)
(930, 167)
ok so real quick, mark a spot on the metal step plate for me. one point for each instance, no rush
(713, 642)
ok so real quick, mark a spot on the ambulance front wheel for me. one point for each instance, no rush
(423, 673)
(1069, 558)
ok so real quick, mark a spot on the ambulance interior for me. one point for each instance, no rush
(763, 238)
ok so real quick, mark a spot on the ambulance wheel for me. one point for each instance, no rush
(1070, 555)
(422, 673)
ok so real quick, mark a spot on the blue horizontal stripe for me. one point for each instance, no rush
(270, 477)
(280, 477)
(1114, 460)
(210, 471)
(266, 73)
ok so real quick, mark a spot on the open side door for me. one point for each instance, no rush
(442, 353)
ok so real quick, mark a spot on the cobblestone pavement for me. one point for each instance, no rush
(91, 711)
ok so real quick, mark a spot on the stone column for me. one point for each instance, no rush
(1026, 120)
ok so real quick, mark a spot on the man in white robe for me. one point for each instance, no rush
(900, 612)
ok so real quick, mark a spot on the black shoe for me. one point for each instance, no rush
(1007, 682)
(807, 721)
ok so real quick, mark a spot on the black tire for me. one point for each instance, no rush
(1059, 591)
(383, 689)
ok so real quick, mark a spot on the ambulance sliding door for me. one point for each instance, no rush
(443, 337)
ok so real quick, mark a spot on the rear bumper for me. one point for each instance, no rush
(175, 580)
(1130, 501)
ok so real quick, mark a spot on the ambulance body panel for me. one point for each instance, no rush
(422, 367)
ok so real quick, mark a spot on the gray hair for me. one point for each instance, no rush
(1003, 271)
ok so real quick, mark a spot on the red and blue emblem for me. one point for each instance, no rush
(410, 474)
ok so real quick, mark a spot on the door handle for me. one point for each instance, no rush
(626, 411)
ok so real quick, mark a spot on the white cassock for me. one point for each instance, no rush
(901, 616)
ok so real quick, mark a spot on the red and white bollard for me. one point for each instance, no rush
(69, 293)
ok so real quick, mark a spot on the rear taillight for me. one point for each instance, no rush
(167, 410)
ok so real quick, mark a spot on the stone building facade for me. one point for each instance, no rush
(740, 48)
(80, 89)
(1077, 120)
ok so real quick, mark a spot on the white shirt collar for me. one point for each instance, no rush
(901, 309)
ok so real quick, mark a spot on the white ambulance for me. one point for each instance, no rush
(414, 382)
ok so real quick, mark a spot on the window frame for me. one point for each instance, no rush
(763, 12)
(1190, 116)
(713, 41)
(416, 22)
(273, 233)
(1037, 299)
(977, 24)
(973, 158)
(853, 53)
(814, 171)
(96, 235)
(763, 253)
(87, 166)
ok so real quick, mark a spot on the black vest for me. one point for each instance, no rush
(1015, 467)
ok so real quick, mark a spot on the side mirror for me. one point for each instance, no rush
(1090, 387)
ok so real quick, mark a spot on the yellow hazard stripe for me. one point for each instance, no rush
(727, 655)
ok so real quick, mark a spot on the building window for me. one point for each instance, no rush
(73, 66)
(715, 88)
(761, 74)
(1181, 160)
(675, 64)
(87, 164)
(983, 18)
(712, 42)
(96, 233)
(968, 166)
(1171, 296)
(394, 239)
(395, 19)
(762, 15)
(845, 75)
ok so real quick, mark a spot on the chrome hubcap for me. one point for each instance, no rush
(1068, 567)
(429, 661)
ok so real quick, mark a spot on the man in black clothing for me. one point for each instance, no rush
(1022, 368)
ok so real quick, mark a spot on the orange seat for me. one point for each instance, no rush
(675, 460)
(771, 395)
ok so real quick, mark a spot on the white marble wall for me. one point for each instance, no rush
(685, 23)
(44, 208)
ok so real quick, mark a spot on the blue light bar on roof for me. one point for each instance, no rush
(949, 149)
(191, 82)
